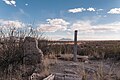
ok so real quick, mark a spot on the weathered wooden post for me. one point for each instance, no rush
(75, 46)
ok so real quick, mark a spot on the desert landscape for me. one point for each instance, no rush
(30, 58)
(59, 39)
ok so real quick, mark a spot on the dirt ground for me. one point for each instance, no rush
(91, 70)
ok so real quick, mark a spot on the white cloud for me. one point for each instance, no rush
(7, 2)
(10, 2)
(26, 4)
(13, 2)
(114, 11)
(76, 10)
(87, 26)
(53, 25)
(10, 23)
(91, 9)
(115, 26)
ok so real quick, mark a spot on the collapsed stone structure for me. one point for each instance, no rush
(33, 57)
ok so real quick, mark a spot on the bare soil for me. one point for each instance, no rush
(91, 70)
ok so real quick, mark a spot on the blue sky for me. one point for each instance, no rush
(94, 19)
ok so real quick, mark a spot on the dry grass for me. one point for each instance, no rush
(100, 73)
(66, 57)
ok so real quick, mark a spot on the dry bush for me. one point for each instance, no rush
(11, 52)
(94, 49)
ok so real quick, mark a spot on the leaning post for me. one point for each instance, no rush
(75, 46)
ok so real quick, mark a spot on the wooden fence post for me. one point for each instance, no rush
(75, 46)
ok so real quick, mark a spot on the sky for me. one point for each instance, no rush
(94, 19)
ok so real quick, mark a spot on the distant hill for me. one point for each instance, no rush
(65, 39)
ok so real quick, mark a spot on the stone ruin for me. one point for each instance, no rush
(32, 53)
(33, 57)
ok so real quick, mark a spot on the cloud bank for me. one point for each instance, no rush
(53, 25)
(86, 28)
(11, 23)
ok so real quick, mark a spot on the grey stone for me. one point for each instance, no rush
(33, 55)
(60, 76)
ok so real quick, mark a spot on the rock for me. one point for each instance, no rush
(90, 70)
(61, 76)
(35, 76)
(73, 65)
(68, 71)
(50, 77)
(83, 58)
(33, 55)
